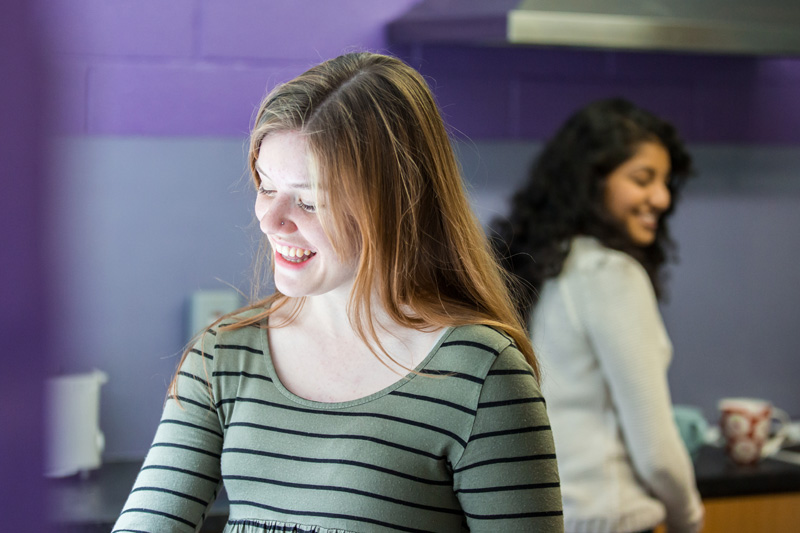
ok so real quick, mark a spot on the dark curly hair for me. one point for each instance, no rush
(564, 196)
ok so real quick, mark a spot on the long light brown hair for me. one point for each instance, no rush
(393, 197)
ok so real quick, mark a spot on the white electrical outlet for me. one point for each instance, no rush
(208, 305)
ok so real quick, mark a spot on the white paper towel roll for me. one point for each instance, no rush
(74, 440)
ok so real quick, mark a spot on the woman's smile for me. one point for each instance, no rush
(291, 253)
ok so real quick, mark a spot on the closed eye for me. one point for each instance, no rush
(643, 178)
(306, 207)
(266, 192)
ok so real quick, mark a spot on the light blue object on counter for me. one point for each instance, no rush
(692, 426)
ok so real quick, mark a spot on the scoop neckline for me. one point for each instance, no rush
(267, 354)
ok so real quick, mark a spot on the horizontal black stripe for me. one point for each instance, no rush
(329, 515)
(206, 406)
(446, 373)
(347, 490)
(196, 378)
(229, 324)
(501, 460)
(472, 344)
(502, 433)
(438, 401)
(173, 492)
(317, 412)
(511, 516)
(159, 513)
(190, 425)
(182, 471)
(238, 347)
(184, 447)
(130, 531)
(315, 460)
(505, 488)
(198, 352)
(242, 373)
(510, 372)
(344, 436)
(505, 403)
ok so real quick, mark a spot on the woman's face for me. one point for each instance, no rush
(305, 261)
(636, 192)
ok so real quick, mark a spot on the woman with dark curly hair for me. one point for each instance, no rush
(588, 236)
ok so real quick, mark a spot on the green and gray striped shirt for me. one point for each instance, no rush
(462, 445)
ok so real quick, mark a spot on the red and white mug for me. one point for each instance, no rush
(746, 424)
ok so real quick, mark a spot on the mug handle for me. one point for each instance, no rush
(771, 446)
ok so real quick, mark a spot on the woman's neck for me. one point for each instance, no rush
(319, 355)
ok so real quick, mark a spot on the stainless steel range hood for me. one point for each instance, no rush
(762, 27)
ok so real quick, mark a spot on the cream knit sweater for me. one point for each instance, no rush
(605, 353)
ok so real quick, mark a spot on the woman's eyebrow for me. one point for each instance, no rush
(295, 185)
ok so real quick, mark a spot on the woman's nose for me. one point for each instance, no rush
(660, 197)
(275, 215)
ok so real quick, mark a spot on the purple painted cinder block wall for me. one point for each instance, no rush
(199, 67)
(23, 291)
(526, 93)
(194, 67)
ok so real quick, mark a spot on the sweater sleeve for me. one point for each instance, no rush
(624, 324)
(507, 477)
(180, 476)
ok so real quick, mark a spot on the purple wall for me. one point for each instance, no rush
(23, 297)
(198, 67)
(526, 93)
(194, 67)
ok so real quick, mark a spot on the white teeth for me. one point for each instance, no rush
(290, 252)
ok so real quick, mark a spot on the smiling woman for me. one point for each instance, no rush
(589, 235)
(387, 384)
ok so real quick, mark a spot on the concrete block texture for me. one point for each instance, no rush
(121, 28)
(199, 67)
(184, 100)
(313, 30)
(545, 105)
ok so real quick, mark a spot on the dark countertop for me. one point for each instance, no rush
(86, 505)
(718, 477)
(92, 502)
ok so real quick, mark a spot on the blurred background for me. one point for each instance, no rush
(147, 200)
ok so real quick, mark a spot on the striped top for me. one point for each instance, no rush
(462, 445)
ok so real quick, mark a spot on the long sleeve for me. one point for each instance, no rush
(617, 305)
(181, 473)
(507, 478)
